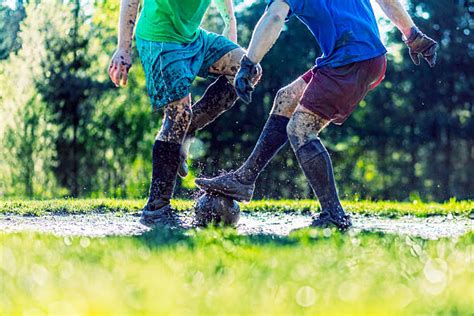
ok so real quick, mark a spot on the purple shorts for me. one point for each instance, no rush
(333, 93)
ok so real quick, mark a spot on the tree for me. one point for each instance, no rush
(10, 20)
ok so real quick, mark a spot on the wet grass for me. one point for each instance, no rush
(216, 271)
(382, 208)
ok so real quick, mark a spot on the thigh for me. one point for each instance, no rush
(228, 64)
(288, 97)
(215, 55)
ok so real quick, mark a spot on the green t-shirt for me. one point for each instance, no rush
(175, 21)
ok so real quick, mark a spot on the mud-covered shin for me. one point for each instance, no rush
(165, 168)
(316, 164)
(219, 97)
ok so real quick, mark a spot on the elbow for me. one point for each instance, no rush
(276, 17)
(384, 2)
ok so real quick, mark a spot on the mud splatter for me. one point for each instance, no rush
(176, 121)
(304, 127)
(228, 64)
(251, 223)
(219, 97)
(288, 97)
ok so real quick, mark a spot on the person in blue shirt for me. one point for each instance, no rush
(353, 63)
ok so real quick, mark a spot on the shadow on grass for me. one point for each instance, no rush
(165, 237)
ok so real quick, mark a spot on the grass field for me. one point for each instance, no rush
(216, 271)
(391, 209)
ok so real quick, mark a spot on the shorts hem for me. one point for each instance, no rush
(160, 105)
(319, 113)
(208, 63)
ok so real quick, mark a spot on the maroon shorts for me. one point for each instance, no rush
(333, 93)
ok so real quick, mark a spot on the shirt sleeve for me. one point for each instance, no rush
(288, 2)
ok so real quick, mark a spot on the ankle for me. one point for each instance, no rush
(334, 208)
(157, 203)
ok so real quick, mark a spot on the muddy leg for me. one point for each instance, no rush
(228, 64)
(273, 136)
(304, 127)
(303, 131)
(176, 121)
(219, 97)
(166, 152)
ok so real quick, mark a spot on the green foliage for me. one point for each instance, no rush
(26, 132)
(218, 272)
(10, 19)
(410, 139)
(30, 151)
(382, 208)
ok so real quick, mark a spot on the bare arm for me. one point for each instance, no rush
(398, 15)
(418, 43)
(226, 10)
(267, 30)
(121, 60)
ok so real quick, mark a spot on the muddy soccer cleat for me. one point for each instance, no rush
(153, 215)
(228, 185)
(324, 220)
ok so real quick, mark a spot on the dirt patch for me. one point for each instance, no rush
(251, 223)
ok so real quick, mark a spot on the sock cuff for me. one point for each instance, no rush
(310, 150)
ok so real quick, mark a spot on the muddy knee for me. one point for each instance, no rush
(287, 98)
(304, 127)
(176, 121)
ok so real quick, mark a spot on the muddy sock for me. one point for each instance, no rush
(219, 97)
(316, 164)
(271, 140)
(165, 169)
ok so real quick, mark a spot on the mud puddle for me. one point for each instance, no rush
(251, 223)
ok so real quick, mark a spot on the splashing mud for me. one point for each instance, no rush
(251, 223)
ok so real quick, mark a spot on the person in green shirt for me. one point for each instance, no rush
(174, 50)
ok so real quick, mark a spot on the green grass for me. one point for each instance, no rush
(391, 209)
(218, 272)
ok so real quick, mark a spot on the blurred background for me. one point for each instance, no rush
(66, 131)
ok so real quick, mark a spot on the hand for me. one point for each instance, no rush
(418, 43)
(246, 78)
(119, 66)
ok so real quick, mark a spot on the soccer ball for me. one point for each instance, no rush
(216, 209)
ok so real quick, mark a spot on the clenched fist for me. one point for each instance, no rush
(420, 44)
(245, 80)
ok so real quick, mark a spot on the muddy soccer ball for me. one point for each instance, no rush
(216, 209)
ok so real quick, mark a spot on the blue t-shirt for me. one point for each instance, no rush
(346, 30)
